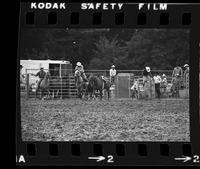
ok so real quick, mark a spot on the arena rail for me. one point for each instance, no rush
(62, 83)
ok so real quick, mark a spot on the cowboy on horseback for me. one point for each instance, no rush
(41, 74)
(146, 74)
(21, 75)
(147, 82)
(177, 73)
(79, 69)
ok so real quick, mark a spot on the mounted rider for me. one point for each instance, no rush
(177, 75)
(21, 75)
(146, 74)
(80, 69)
(177, 72)
(41, 74)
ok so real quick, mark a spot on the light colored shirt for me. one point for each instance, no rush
(113, 72)
(79, 68)
(157, 79)
(177, 71)
(135, 86)
(164, 81)
(41, 74)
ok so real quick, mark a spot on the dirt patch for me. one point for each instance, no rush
(115, 120)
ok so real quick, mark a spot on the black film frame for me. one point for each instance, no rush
(124, 153)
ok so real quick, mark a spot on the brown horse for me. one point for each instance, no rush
(99, 84)
(55, 87)
(44, 86)
(148, 83)
(79, 85)
(176, 85)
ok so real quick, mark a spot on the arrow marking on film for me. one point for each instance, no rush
(185, 159)
(99, 158)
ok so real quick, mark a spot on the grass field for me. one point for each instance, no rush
(115, 120)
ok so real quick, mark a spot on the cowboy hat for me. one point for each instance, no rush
(164, 75)
(148, 69)
(113, 66)
(78, 63)
(186, 65)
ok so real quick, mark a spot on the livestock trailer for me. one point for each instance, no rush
(57, 68)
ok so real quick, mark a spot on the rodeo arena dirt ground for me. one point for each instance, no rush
(113, 120)
(116, 119)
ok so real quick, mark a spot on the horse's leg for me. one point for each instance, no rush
(36, 94)
(53, 94)
(79, 93)
(49, 92)
(93, 92)
(101, 94)
(108, 91)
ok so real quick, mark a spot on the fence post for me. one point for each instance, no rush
(187, 84)
(27, 85)
(61, 88)
(69, 86)
(104, 73)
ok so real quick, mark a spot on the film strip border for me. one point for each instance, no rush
(113, 153)
(128, 16)
(52, 18)
(108, 154)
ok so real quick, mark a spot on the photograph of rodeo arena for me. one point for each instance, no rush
(104, 84)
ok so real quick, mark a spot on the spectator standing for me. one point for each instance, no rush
(157, 81)
(164, 83)
(186, 70)
(134, 89)
(186, 75)
(113, 73)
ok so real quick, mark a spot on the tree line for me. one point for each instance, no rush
(127, 49)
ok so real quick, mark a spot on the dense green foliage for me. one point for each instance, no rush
(100, 48)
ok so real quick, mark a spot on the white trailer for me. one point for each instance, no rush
(31, 67)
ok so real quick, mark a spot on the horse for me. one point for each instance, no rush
(89, 89)
(44, 85)
(22, 82)
(99, 84)
(176, 85)
(148, 82)
(55, 86)
(79, 85)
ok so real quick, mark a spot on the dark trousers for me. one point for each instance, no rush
(112, 80)
(157, 89)
(134, 94)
